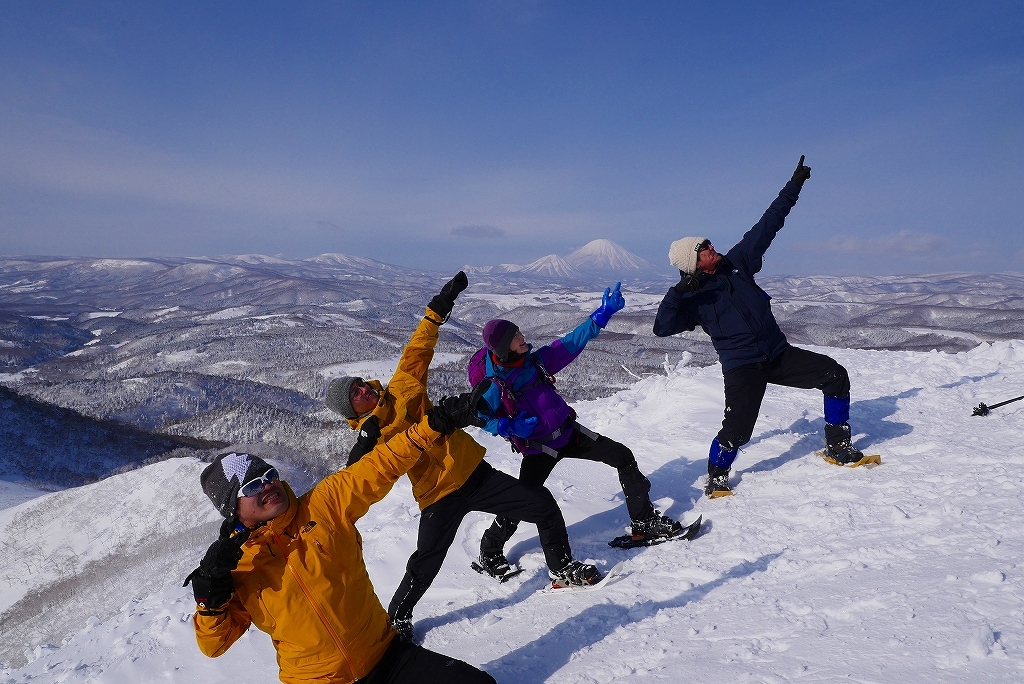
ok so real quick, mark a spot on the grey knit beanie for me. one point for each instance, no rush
(338, 396)
(222, 479)
(683, 253)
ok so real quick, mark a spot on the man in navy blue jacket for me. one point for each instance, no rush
(719, 294)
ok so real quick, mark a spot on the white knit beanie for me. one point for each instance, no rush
(683, 253)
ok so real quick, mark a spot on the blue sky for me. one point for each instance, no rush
(443, 134)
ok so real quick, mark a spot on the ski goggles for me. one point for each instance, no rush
(255, 486)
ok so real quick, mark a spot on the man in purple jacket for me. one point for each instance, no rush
(526, 410)
(719, 294)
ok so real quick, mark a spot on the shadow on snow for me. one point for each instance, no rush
(541, 658)
(867, 418)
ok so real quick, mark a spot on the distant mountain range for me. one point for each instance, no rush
(597, 257)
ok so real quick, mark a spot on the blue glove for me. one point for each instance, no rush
(611, 302)
(521, 426)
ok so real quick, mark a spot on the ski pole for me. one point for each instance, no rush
(982, 409)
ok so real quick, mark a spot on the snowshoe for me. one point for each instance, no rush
(613, 574)
(851, 460)
(495, 565)
(646, 535)
(718, 486)
(575, 574)
(839, 449)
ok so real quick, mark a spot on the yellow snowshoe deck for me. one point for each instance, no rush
(869, 461)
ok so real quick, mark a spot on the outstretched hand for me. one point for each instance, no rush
(611, 302)
(444, 300)
(456, 285)
(455, 413)
(802, 172)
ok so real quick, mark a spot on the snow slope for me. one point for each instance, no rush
(908, 572)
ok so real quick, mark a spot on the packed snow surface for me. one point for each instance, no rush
(905, 572)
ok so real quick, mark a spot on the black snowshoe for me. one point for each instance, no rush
(575, 574)
(495, 565)
(656, 530)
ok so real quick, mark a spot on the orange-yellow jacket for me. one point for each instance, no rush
(448, 464)
(302, 578)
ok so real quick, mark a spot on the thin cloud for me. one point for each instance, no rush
(479, 232)
(327, 225)
(903, 242)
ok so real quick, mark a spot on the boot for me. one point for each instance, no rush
(575, 574)
(655, 526)
(838, 447)
(404, 628)
(494, 564)
(718, 482)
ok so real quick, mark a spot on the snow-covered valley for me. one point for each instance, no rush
(906, 572)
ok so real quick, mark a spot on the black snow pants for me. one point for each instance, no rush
(794, 367)
(405, 663)
(536, 468)
(490, 491)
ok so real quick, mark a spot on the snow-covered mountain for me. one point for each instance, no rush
(906, 572)
(552, 266)
(605, 256)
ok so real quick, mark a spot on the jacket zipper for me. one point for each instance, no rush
(316, 608)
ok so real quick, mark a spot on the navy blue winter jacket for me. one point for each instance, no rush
(729, 305)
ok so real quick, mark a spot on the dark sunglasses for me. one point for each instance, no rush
(254, 487)
(702, 246)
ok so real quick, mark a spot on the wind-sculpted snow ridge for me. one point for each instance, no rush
(907, 572)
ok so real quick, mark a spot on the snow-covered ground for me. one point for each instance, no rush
(906, 572)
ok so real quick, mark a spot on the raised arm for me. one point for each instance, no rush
(419, 352)
(354, 489)
(748, 253)
(564, 350)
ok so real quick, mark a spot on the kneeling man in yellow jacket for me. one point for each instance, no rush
(293, 566)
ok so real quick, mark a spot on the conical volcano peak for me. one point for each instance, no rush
(606, 255)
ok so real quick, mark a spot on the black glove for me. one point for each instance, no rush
(211, 581)
(687, 283)
(443, 301)
(454, 413)
(369, 433)
(802, 172)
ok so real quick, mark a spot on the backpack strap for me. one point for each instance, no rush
(571, 424)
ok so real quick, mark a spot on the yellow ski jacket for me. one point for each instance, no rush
(448, 464)
(302, 578)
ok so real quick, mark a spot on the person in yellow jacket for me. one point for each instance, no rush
(293, 566)
(451, 478)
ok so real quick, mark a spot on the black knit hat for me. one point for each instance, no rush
(339, 397)
(222, 479)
